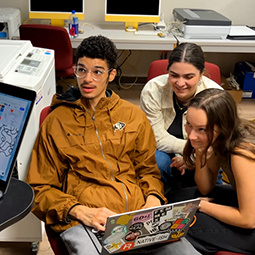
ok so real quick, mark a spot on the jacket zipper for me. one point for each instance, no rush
(102, 151)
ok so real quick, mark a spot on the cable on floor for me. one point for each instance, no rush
(119, 72)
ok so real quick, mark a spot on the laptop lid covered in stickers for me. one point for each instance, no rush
(136, 229)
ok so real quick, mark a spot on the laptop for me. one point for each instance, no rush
(16, 105)
(137, 229)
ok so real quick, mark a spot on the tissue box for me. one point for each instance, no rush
(244, 73)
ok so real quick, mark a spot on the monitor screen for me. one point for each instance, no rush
(133, 12)
(58, 12)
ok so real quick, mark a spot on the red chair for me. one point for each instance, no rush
(51, 37)
(44, 113)
(228, 253)
(55, 241)
(159, 67)
(212, 71)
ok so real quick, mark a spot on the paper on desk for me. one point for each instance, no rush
(241, 31)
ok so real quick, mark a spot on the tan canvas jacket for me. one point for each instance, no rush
(100, 159)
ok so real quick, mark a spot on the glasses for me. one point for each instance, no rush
(96, 73)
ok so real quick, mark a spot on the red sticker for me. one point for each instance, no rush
(127, 246)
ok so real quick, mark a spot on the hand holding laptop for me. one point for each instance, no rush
(97, 217)
(92, 217)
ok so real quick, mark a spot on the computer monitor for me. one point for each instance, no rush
(57, 11)
(132, 12)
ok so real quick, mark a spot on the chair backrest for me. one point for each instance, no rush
(55, 241)
(159, 67)
(51, 37)
(44, 113)
(212, 71)
(227, 253)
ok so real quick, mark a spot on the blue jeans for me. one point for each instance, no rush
(171, 175)
(164, 161)
(88, 244)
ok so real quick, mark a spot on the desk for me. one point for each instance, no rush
(129, 41)
(16, 203)
(140, 43)
(222, 45)
(125, 40)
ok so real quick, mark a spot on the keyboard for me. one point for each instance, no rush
(146, 32)
(253, 28)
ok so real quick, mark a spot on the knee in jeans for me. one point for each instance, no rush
(163, 161)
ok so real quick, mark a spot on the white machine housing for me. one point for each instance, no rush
(202, 23)
(205, 32)
(10, 21)
(32, 68)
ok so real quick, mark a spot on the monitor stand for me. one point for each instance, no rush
(58, 22)
(131, 26)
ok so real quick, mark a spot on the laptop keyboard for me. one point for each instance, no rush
(98, 234)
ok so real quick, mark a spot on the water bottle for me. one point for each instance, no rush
(73, 25)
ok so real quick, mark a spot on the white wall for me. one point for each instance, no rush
(240, 12)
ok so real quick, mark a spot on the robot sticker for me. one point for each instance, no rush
(117, 234)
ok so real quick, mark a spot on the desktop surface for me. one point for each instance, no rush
(222, 45)
(126, 40)
(116, 32)
(16, 203)
(131, 41)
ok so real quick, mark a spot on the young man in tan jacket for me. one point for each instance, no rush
(94, 155)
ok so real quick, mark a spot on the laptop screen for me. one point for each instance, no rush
(15, 108)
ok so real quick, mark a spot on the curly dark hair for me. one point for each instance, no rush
(98, 47)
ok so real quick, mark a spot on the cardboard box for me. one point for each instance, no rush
(245, 76)
(236, 94)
